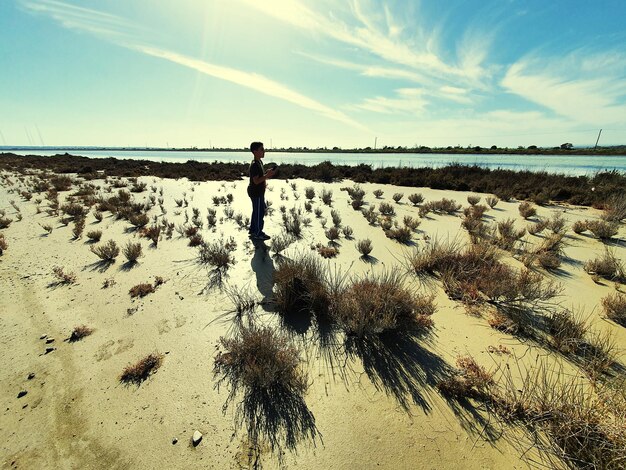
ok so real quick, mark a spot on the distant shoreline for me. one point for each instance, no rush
(587, 151)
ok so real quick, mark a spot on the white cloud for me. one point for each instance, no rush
(123, 33)
(572, 88)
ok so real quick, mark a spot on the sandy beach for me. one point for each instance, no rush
(383, 411)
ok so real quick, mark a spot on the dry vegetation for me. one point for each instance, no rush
(79, 332)
(137, 373)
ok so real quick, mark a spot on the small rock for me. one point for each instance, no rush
(49, 350)
(50, 340)
(174, 441)
(31, 376)
(24, 392)
(197, 437)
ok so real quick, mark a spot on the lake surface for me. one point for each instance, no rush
(567, 164)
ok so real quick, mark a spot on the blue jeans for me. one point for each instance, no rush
(258, 212)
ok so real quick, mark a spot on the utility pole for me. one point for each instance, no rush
(598, 139)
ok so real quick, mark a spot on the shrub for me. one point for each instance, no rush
(63, 277)
(336, 218)
(106, 252)
(218, 255)
(374, 304)
(137, 373)
(153, 233)
(48, 228)
(73, 210)
(327, 197)
(378, 193)
(447, 206)
(300, 284)
(507, 234)
(5, 222)
(473, 200)
(400, 234)
(260, 358)
(557, 223)
(79, 332)
(281, 242)
(416, 198)
(397, 197)
(364, 247)
(601, 229)
(614, 306)
(309, 193)
(141, 290)
(94, 235)
(332, 234)
(579, 226)
(318, 212)
(327, 251)
(492, 201)
(567, 331)
(538, 226)
(347, 232)
(79, 226)
(139, 220)
(292, 224)
(132, 252)
(526, 210)
(615, 208)
(470, 380)
(370, 215)
(606, 266)
(386, 209)
(196, 240)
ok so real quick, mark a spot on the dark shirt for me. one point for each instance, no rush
(256, 169)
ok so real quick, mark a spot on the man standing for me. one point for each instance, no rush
(256, 191)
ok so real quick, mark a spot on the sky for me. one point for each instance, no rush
(312, 73)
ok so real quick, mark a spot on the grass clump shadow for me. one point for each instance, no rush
(262, 365)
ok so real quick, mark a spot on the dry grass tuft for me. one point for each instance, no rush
(3, 244)
(132, 252)
(63, 277)
(614, 306)
(301, 284)
(473, 200)
(492, 201)
(106, 252)
(400, 234)
(416, 198)
(607, 266)
(527, 210)
(141, 290)
(471, 380)
(79, 332)
(5, 222)
(579, 226)
(602, 229)
(374, 304)
(327, 251)
(94, 235)
(397, 197)
(137, 373)
(260, 358)
(364, 247)
(153, 233)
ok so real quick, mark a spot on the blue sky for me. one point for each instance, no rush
(312, 73)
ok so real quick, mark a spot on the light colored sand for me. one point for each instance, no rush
(77, 414)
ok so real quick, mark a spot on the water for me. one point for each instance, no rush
(566, 164)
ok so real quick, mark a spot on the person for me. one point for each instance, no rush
(256, 191)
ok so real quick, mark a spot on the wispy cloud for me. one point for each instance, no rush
(381, 34)
(408, 100)
(124, 33)
(573, 86)
(250, 80)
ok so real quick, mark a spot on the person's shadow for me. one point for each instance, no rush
(263, 266)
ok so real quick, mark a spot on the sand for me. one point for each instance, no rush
(77, 414)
